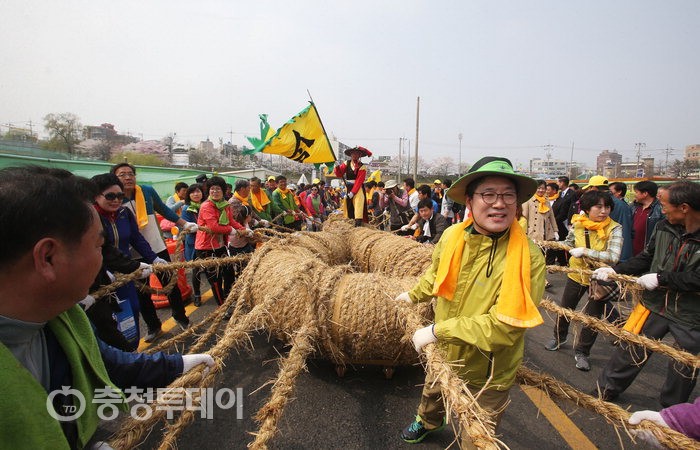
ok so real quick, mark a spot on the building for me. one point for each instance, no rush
(643, 169)
(608, 163)
(207, 146)
(550, 168)
(692, 152)
(104, 132)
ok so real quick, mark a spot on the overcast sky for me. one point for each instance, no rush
(512, 76)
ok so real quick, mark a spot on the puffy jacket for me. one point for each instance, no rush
(674, 256)
(467, 326)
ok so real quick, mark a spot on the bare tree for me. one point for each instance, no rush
(64, 131)
(684, 168)
(443, 166)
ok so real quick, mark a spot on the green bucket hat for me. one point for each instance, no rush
(492, 166)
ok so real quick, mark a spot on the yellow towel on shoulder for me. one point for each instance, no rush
(515, 306)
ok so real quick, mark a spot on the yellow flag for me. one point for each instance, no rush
(302, 139)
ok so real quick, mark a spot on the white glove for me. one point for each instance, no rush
(264, 223)
(649, 281)
(652, 416)
(423, 337)
(159, 260)
(403, 297)
(146, 270)
(350, 195)
(603, 273)
(190, 226)
(249, 233)
(405, 227)
(189, 362)
(556, 235)
(577, 252)
(646, 435)
(414, 226)
(87, 302)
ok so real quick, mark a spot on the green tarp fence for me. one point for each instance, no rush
(163, 179)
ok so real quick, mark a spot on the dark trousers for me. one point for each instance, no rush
(148, 310)
(218, 277)
(101, 316)
(628, 360)
(570, 299)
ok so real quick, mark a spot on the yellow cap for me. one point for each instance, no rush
(595, 181)
(437, 182)
(316, 181)
(271, 178)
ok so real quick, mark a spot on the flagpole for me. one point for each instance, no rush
(335, 158)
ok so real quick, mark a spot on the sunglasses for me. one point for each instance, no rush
(113, 196)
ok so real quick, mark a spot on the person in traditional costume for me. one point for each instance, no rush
(488, 278)
(354, 174)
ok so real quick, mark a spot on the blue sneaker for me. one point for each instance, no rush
(416, 432)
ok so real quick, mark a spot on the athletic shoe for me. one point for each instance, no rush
(416, 432)
(582, 362)
(183, 324)
(152, 335)
(555, 344)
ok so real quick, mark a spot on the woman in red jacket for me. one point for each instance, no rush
(215, 214)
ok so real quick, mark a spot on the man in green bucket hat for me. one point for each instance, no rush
(488, 278)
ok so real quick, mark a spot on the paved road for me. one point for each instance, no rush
(364, 410)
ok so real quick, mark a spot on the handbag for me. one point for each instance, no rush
(602, 291)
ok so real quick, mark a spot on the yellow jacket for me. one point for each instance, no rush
(467, 327)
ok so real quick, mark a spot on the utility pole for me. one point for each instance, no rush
(408, 154)
(459, 164)
(639, 146)
(398, 175)
(571, 162)
(668, 151)
(415, 159)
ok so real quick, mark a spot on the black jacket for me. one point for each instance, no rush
(674, 256)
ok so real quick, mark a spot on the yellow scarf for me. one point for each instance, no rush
(544, 204)
(371, 194)
(259, 200)
(411, 191)
(242, 199)
(176, 197)
(554, 197)
(581, 220)
(515, 306)
(283, 193)
(141, 212)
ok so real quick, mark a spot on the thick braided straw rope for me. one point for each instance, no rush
(301, 288)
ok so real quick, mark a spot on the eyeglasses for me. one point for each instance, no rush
(126, 175)
(509, 198)
(113, 196)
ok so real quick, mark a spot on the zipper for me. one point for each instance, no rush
(488, 368)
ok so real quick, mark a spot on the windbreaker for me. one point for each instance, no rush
(478, 343)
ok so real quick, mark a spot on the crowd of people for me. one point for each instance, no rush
(485, 304)
(487, 275)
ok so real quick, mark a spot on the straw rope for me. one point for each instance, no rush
(301, 288)
(134, 430)
(653, 345)
(611, 412)
(458, 400)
